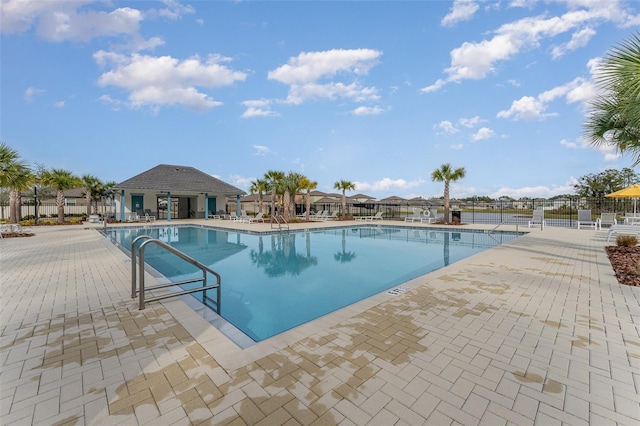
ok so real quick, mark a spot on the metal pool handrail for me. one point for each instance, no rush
(280, 220)
(143, 288)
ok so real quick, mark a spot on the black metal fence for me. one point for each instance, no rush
(558, 212)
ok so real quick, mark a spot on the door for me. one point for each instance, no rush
(137, 205)
(211, 207)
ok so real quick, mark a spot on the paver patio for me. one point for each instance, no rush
(537, 331)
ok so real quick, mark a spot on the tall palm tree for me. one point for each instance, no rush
(344, 186)
(291, 186)
(92, 186)
(259, 186)
(614, 118)
(16, 176)
(61, 180)
(446, 174)
(308, 185)
(274, 180)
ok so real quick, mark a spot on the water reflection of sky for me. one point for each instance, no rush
(271, 283)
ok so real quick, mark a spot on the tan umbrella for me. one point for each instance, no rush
(632, 191)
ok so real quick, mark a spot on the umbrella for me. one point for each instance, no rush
(632, 191)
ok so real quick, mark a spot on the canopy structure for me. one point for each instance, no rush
(632, 191)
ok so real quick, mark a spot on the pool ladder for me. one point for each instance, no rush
(142, 298)
(280, 221)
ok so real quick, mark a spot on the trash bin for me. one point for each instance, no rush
(456, 216)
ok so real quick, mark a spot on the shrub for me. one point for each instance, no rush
(627, 241)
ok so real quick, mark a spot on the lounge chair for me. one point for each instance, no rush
(538, 218)
(620, 229)
(417, 215)
(437, 217)
(148, 218)
(321, 215)
(377, 216)
(242, 218)
(607, 219)
(332, 216)
(258, 218)
(427, 217)
(585, 219)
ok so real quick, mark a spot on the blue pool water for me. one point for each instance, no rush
(274, 282)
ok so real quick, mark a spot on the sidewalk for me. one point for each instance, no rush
(537, 331)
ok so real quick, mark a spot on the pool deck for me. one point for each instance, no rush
(536, 331)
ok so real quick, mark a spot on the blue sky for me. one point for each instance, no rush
(380, 93)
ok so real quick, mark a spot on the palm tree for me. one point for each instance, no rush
(92, 186)
(344, 186)
(615, 116)
(259, 186)
(309, 186)
(16, 176)
(446, 174)
(274, 180)
(291, 186)
(61, 180)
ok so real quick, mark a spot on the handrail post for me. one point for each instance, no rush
(133, 263)
(141, 271)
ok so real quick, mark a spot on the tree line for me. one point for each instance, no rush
(17, 176)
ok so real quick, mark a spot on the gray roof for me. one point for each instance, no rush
(166, 177)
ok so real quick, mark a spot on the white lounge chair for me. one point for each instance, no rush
(620, 229)
(332, 216)
(437, 217)
(417, 215)
(242, 218)
(148, 218)
(538, 218)
(607, 219)
(585, 219)
(377, 216)
(258, 218)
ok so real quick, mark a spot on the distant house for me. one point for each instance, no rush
(173, 192)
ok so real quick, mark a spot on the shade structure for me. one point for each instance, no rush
(632, 191)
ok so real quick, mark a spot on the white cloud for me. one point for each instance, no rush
(540, 191)
(457, 146)
(68, 20)
(578, 39)
(362, 110)
(303, 73)
(59, 104)
(525, 108)
(261, 150)
(258, 108)
(461, 10)
(239, 181)
(470, 122)
(483, 133)
(568, 144)
(387, 184)
(447, 127)
(579, 90)
(476, 60)
(32, 92)
(161, 81)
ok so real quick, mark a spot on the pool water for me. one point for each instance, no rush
(274, 282)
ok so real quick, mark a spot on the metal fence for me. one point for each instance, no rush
(559, 212)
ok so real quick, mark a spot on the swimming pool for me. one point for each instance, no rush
(274, 282)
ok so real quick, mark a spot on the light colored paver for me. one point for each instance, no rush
(537, 331)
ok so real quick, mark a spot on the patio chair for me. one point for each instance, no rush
(332, 216)
(437, 217)
(585, 219)
(607, 219)
(377, 216)
(242, 218)
(619, 229)
(258, 218)
(538, 218)
(417, 215)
